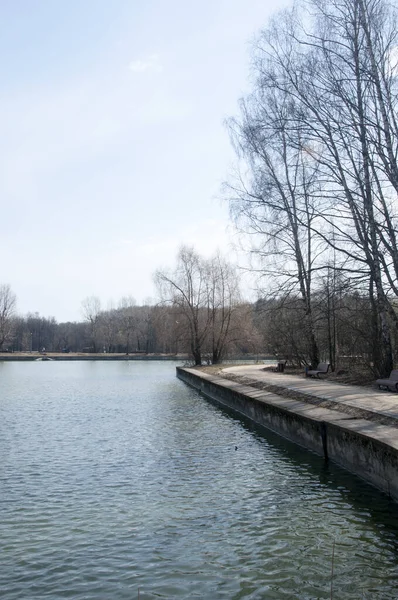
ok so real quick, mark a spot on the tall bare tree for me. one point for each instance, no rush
(186, 289)
(204, 294)
(279, 202)
(223, 301)
(331, 65)
(91, 308)
(127, 320)
(8, 301)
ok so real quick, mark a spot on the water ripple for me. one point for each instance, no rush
(117, 477)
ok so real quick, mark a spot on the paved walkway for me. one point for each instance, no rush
(364, 402)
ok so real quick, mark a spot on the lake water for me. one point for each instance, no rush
(119, 481)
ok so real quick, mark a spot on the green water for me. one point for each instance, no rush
(117, 477)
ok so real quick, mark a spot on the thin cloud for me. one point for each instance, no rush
(151, 63)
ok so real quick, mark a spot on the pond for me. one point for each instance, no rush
(119, 481)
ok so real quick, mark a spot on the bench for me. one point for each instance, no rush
(321, 369)
(391, 382)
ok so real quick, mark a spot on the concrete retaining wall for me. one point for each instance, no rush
(367, 449)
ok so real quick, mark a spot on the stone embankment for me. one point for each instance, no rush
(355, 427)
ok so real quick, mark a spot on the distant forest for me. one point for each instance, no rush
(276, 328)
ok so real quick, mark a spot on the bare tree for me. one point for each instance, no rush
(223, 300)
(330, 66)
(109, 328)
(280, 201)
(91, 308)
(8, 301)
(186, 289)
(204, 294)
(127, 320)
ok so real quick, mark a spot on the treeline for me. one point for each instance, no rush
(341, 325)
(317, 192)
(138, 329)
(128, 329)
(269, 327)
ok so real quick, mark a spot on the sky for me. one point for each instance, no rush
(113, 145)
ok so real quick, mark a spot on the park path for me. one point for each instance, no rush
(362, 402)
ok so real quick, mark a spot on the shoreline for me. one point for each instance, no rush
(73, 356)
(360, 445)
(70, 356)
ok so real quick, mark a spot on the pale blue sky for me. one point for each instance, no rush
(113, 148)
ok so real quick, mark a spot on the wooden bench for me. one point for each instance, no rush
(391, 382)
(321, 369)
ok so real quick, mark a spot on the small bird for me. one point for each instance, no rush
(236, 447)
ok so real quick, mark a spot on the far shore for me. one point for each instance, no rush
(29, 356)
(35, 355)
